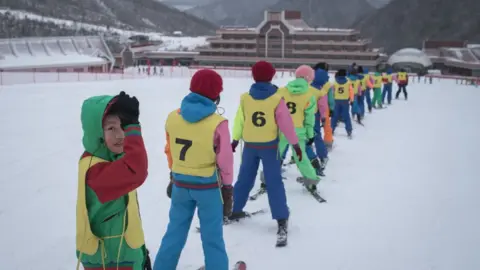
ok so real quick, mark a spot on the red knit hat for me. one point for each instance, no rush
(207, 83)
(263, 71)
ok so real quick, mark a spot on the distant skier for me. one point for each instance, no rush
(402, 82)
(201, 161)
(369, 87)
(387, 86)
(365, 85)
(326, 103)
(262, 112)
(377, 91)
(357, 89)
(343, 93)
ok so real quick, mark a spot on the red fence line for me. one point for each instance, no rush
(13, 78)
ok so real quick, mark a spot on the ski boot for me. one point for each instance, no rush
(349, 135)
(323, 163)
(318, 167)
(370, 109)
(238, 216)
(282, 232)
(359, 119)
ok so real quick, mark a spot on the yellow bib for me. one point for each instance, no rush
(87, 242)
(296, 104)
(342, 91)
(191, 144)
(260, 124)
(402, 76)
(363, 83)
(387, 78)
(355, 85)
(377, 81)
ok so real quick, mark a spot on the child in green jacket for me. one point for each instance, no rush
(302, 106)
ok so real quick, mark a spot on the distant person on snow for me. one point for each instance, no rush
(343, 93)
(377, 91)
(302, 105)
(402, 82)
(365, 84)
(201, 162)
(262, 112)
(387, 86)
(369, 87)
(113, 166)
(357, 89)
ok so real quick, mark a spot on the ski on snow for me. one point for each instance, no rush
(258, 193)
(313, 192)
(227, 221)
(240, 265)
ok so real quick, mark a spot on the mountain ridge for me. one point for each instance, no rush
(139, 15)
(406, 23)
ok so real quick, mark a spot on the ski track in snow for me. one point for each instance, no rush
(403, 194)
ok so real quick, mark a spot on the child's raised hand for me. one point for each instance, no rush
(129, 108)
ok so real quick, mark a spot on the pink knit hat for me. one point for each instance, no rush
(305, 72)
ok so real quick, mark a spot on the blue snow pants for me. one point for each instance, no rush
(320, 147)
(210, 213)
(342, 110)
(361, 103)
(272, 170)
(387, 91)
(368, 98)
(355, 106)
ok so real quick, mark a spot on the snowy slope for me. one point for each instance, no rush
(402, 195)
(169, 42)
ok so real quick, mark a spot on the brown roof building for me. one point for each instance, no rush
(454, 57)
(285, 40)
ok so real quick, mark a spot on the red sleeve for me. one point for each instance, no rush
(112, 180)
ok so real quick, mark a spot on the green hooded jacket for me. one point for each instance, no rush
(92, 114)
(300, 87)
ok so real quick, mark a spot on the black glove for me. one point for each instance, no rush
(170, 186)
(234, 145)
(148, 262)
(227, 196)
(298, 151)
(331, 113)
(127, 109)
(322, 123)
(310, 141)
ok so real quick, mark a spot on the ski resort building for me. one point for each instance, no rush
(454, 57)
(56, 54)
(284, 39)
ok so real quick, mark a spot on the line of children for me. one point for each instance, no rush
(200, 157)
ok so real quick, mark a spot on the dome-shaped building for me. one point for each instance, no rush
(410, 59)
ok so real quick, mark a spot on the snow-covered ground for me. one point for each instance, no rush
(169, 42)
(402, 195)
